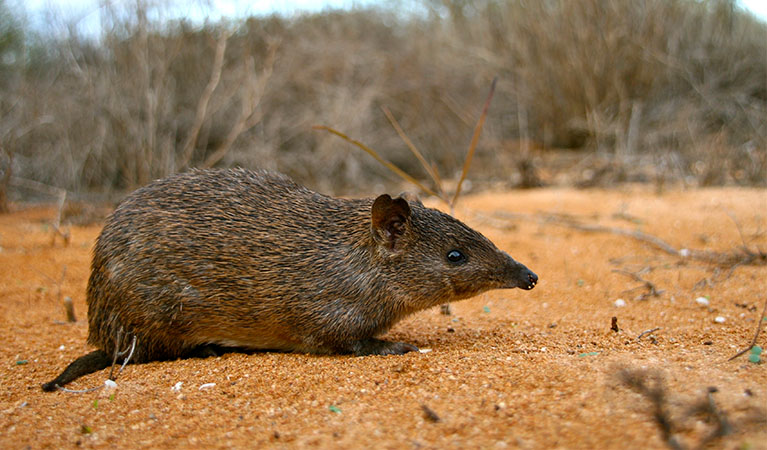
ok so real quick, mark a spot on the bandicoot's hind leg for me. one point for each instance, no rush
(93, 361)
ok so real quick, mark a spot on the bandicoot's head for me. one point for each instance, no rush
(440, 257)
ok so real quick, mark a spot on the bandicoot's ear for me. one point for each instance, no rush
(389, 219)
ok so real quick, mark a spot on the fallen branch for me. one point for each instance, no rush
(652, 290)
(646, 332)
(742, 256)
(759, 322)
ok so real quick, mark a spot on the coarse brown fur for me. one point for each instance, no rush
(249, 259)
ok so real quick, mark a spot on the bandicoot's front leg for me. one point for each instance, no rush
(380, 347)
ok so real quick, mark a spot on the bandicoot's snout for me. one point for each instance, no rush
(528, 279)
(519, 276)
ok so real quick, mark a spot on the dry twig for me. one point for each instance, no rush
(249, 113)
(742, 256)
(646, 332)
(652, 291)
(759, 322)
(430, 415)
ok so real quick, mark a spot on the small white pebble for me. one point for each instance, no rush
(109, 384)
(424, 350)
(702, 301)
(206, 386)
(684, 253)
(719, 319)
(177, 387)
(620, 303)
(544, 349)
(61, 347)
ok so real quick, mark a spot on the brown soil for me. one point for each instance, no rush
(511, 368)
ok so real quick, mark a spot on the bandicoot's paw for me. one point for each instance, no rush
(379, 347)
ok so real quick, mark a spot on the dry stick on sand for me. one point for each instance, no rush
(430, 415)
(652, 290)
(744, 256)
(759, 323)
(646, 332)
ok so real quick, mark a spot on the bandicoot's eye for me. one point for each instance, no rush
(456, 256)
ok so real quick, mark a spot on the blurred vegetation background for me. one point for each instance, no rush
(590, 92)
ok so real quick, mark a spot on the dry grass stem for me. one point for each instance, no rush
(431, 170)
(473, 145)
(378, 158)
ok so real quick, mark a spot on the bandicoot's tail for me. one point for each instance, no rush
(93, 361)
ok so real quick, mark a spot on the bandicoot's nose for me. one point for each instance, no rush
(532, 279)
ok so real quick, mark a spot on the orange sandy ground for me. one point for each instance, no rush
(510, 368)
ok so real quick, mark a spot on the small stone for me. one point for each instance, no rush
(206, 386)
(424, 350)
(719, 319)
(177, 387)
(110, 384)
(620, 303)
(702, 301)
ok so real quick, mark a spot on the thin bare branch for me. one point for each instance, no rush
(249, 114)
(202, 104)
